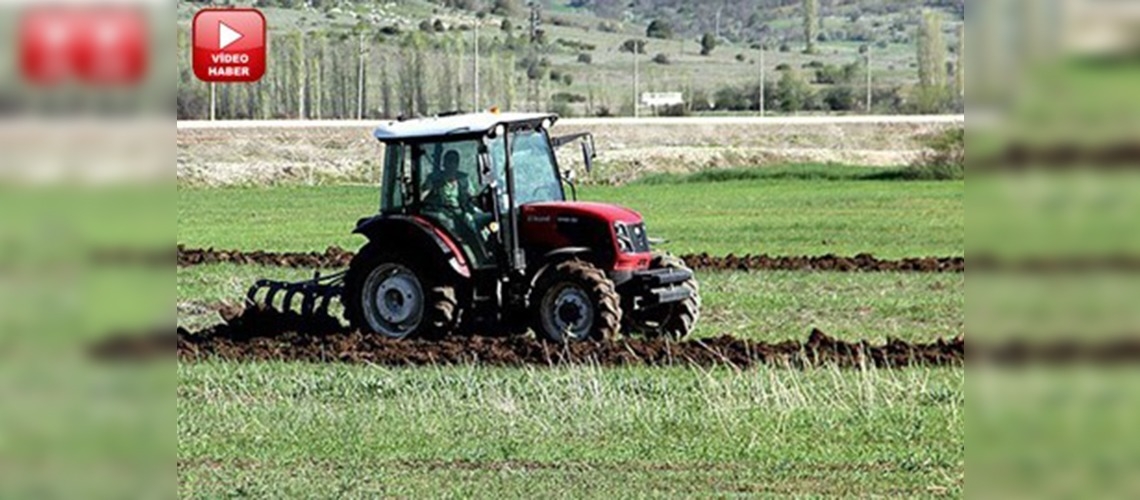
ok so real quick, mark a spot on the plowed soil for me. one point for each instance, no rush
(266, 334)
(336, 257)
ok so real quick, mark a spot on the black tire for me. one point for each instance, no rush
(676, 320)
(437, 317)
(575, 301)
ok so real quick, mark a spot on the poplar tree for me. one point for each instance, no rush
(811, 25)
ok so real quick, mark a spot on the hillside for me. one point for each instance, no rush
(416, 56)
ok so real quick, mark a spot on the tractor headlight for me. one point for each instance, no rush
(624, 238)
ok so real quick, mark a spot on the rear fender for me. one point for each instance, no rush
(414, 236)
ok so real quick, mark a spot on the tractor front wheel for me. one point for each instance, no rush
(388, 295)
(576, 301)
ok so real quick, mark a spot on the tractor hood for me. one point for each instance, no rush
(585, 209)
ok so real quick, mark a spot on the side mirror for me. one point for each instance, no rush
(588, 155)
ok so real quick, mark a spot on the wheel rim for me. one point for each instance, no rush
(567, 313)
(393, 300)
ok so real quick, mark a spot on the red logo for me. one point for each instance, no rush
(96, 45)
(229, 45)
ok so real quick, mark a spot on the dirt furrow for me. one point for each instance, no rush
(257, 334)
(336, 257)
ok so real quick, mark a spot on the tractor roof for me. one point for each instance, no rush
(465, 124)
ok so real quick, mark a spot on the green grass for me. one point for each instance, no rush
(772, 306)
(358, 431)
(890, 219)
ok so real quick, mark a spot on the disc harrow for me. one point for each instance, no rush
(316, 294)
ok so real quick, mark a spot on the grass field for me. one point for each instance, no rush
(288, 429)
(813, 216)
(341, 431)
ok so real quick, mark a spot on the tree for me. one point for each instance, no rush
(708, 43)
(659, 29)
(931, 96)
(960, 74)
(931, 52)
(811, 25)
(793, 93)
(505, 8)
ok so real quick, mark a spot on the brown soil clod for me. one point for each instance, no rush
(336, 257)
(260, 334)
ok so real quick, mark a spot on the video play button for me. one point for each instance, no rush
(229, 45)
(227, 35)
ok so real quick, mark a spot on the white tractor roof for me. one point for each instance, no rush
(471, 123)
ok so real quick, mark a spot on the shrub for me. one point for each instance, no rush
(659, 29)
(506, 26)
(672, 110)
(708, 43)
(608, 27)
(631, 45)
(438, 26)
(562, 109)
(944, 156)
(585, 58)
(740, 57)
(568, 97)
(661, 58)
(784, 47)
(783, 67)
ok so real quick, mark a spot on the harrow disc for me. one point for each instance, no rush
(315, 294)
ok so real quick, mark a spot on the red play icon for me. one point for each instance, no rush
(113, 48)
(229, 45)
(48, 37)
(96, 45)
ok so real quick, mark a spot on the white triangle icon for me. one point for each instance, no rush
(227, 35)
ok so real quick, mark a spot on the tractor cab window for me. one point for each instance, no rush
(447, 181)
(536, 178)
(395, 185)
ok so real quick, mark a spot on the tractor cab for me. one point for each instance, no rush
(455, 174)
(475, 233)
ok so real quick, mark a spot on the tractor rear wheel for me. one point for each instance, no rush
(576, 301)
(676, 320)
(390, 295)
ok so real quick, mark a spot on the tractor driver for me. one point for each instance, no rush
(447, 187)
(450, 197)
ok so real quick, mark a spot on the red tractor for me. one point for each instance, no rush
(470, 238)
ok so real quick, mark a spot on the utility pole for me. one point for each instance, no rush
(868, 78)
(636, 82)
(760, 97)
(359, 78)
(475, 98)
(717, 30)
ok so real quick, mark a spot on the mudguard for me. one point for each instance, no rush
(414, 234)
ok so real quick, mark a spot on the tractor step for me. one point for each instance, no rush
(660, 296)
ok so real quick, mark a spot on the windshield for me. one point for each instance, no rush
(536, 178)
